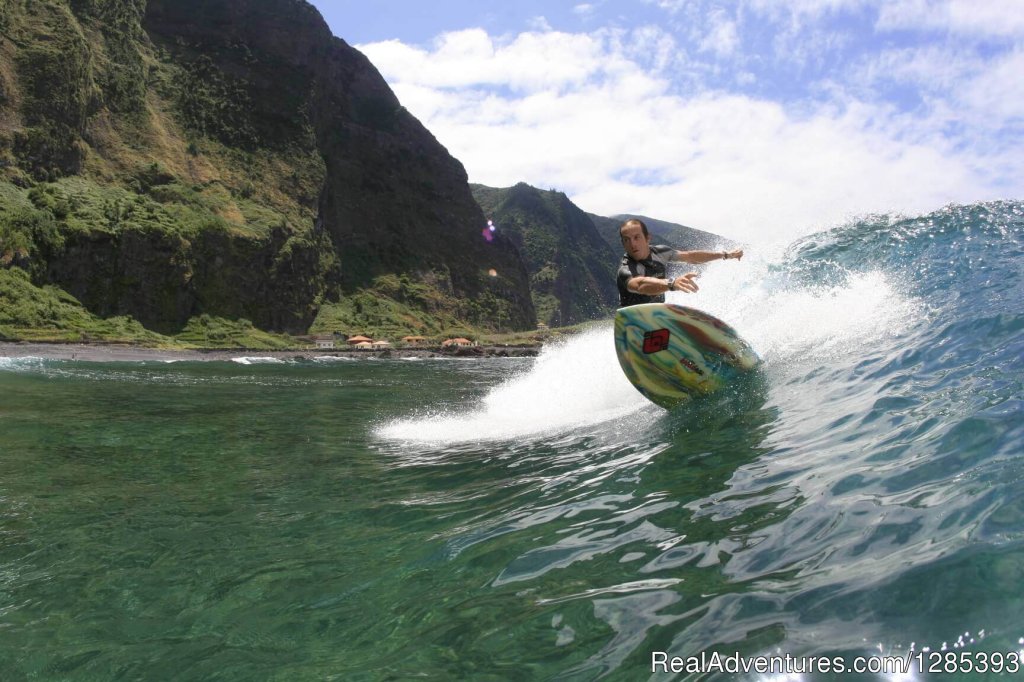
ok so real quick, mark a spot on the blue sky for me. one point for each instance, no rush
(758, 119)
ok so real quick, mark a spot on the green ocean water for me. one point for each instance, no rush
(535, 519)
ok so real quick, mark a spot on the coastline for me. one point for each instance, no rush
(99, 352)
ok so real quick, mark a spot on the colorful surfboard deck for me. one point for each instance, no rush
(672, 353)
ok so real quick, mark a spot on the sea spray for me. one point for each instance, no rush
(577, 382)
(786, 317)
(573, 383)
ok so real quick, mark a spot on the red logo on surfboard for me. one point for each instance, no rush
(655, 341)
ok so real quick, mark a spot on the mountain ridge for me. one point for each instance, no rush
(229, 158)
(174, 166)
(572, 256)
(572, 272)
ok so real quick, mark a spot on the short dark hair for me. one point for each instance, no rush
(635, 221)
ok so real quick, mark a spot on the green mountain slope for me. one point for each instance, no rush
(572, 256)
(167, 160)
(572, 270)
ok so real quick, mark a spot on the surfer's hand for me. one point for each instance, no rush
(686, 283)
(736, 253)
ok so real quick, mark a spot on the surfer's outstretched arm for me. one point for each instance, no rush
(698, 257)
(652, 286)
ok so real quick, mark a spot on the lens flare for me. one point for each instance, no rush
(488, 232)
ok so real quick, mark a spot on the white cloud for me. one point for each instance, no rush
(540, 24)
(802, 10)
(991, 18)
(996, 95)
(647, 45)
(931, 67)
(592, 116)
(671, 6)
(748, 168)
(531, 62)
(985, 93)
(721, 37)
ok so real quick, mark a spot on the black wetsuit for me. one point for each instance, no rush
(652, 266)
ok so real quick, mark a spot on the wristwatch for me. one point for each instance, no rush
(671, 283)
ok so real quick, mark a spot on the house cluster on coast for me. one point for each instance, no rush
(358, 341)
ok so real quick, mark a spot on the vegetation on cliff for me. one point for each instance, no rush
(172, 162)
(572, 270)
(226, 173)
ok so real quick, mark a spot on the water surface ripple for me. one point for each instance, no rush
(527, 519)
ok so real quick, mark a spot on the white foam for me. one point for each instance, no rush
(571, 384)
(784, 321)
(257, 360)
(21, 364)
(578, 382)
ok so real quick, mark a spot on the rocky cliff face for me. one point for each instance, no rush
(572, 269)
(228, 157)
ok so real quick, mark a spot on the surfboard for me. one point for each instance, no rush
(672, 353)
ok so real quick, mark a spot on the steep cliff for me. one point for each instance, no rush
(175, 158)
(572, 270)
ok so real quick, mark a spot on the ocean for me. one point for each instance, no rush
(860, 498)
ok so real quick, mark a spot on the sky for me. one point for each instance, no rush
(755, 119)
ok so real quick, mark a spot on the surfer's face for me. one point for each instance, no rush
(636, 243)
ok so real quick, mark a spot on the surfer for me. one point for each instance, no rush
(641, 277)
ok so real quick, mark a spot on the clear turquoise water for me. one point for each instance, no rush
(537, 519)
